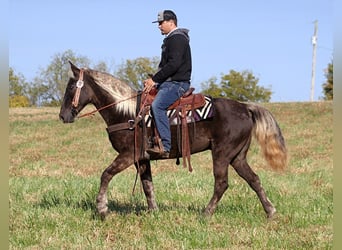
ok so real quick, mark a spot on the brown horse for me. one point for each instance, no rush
(227, 134)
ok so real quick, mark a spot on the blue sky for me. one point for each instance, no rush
(272, 39)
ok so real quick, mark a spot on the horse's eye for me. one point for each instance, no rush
(71, 86)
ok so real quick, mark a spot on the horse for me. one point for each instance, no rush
(227, 134)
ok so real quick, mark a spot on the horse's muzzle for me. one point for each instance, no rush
(66, 118)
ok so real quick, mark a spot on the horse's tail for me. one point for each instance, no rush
(269, 136)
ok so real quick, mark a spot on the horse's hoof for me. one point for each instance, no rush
(153, 210)
(271, 214)
(103, 216)
(207, 213)
(103, 212)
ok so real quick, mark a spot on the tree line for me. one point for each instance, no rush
(47, 88)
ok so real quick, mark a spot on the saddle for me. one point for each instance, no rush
(189, 101)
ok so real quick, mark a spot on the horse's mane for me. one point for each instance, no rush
(118, 89)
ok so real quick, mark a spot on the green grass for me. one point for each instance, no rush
(55, 172)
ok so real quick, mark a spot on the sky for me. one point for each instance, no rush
(271, 39)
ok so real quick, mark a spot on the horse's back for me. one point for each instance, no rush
(231, 112)
(231, 124)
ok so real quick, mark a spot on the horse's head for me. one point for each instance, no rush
(98, 88)
(76, 97)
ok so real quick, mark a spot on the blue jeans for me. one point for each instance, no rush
(168, 93)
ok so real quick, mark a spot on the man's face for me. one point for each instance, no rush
(166, 26)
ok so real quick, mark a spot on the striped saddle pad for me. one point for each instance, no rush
(198, 114)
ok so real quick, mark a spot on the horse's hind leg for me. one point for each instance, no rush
(120, 163)
(221, 183)
(146, 180)
(244, 170)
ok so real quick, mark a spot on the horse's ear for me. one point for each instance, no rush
(74, 69)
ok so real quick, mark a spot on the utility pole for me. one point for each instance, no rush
(314, 47)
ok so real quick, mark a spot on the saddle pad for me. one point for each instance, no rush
(205, 112)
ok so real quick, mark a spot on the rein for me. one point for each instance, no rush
(107, 106)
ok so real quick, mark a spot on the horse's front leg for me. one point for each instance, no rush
(121, 162)
(146, 180)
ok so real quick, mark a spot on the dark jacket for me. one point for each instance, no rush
(175, 63)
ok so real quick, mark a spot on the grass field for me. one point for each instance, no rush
(55, 170)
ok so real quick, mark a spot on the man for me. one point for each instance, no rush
(173, 77)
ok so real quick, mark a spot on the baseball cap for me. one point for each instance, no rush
(165, 15)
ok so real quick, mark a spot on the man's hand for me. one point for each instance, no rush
(148, 85)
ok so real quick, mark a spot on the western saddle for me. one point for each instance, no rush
(188, 102)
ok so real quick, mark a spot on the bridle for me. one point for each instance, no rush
(79, 85)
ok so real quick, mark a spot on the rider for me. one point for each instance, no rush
(172, 79)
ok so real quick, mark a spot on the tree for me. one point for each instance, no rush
(18, 90)
(328, 86)
(38, 93)
(211, 88)
(103, 66)
(48, 88)
(137, 70)
(238, 86)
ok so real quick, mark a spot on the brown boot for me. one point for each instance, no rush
(156, 152)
